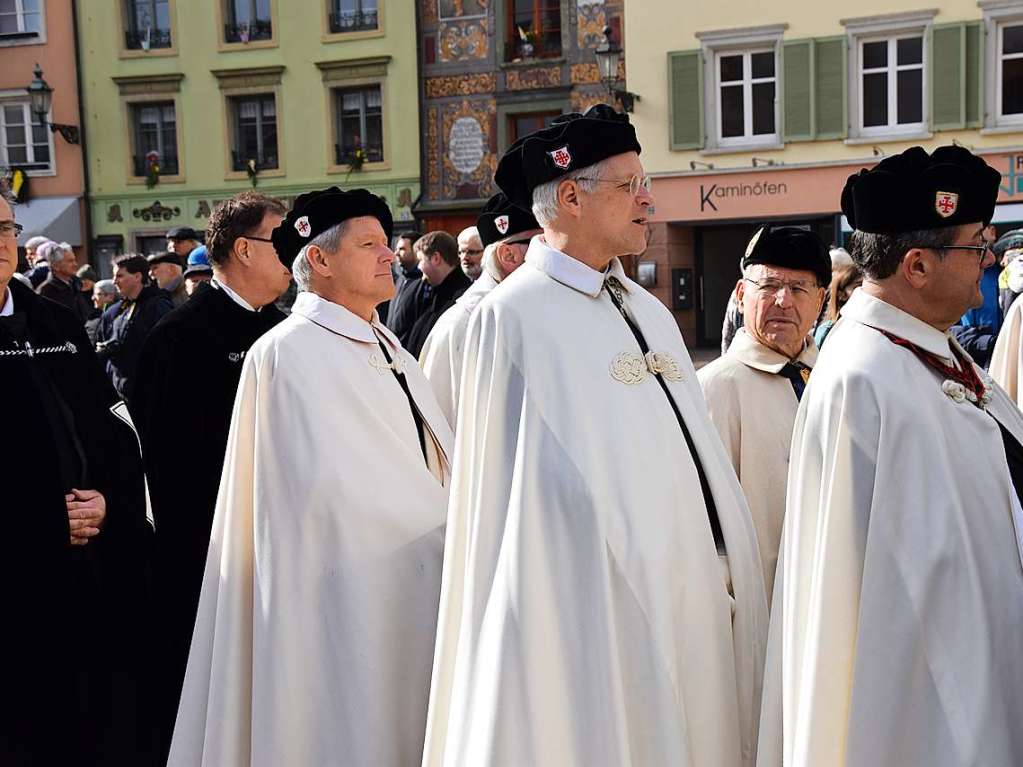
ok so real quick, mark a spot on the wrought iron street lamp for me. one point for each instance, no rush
(41, 96)
(609, 55)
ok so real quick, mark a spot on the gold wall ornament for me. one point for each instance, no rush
(629, 368)
(665, 364)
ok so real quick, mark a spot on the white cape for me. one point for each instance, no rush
(314, 637)
(585, 620)
(441, 357)
(1006, 361)
(900, 581)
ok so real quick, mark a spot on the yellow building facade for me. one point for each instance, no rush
(753, 112)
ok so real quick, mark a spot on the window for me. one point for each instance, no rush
(747, 86)
(248, 20)
(891, 84)
(534, 29)
(255, 132)
(1010, 71)
(154, 126)
(520, 125)
(147, 25)
(26, 143)
(353, 15)
(360, 124)
(20, 18)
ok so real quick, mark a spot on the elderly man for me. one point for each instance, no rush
(438, 261)
(603, 601)
(166, 271)
(754, 389)
(182, 240)
(35, 255)
(74, 513)
(198, 272)
(104, 293)
(200, 348)
(900, 571)
(62, 285)
(470, 252)
(505, 231)
(314, 638)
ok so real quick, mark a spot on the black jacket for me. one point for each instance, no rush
(59, 432)
(184, 393)
(442, 297)
(131, 324)
(410, 293)
(69, 296)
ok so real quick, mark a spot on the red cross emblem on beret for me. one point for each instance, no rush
(302, 226)
(501, 224)
(561, 157)
(946, 203)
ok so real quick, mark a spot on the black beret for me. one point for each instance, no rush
(501, 219)
(1011, 240)
(183, 233)
(170, 257)
(572, 141)
(316, 212)
(915, 190)
(790, 248)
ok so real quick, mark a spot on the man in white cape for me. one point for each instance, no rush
(753, 389)
(1006, 360)
(900, 576)
(504, 230)
(587, 615)
(314, 636)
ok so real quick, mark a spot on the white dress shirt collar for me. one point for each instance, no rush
(232, 295)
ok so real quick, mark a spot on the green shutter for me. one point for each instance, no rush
(974, 74)
(685, 99)
(797, 58)
(948, 77)
(830, 84)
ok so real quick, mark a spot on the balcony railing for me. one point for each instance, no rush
(168, 165)
(343, 154)
(352, 21)
(245, 33)
(134, 39)
(241, 162)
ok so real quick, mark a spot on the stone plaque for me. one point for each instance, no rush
(466, 144)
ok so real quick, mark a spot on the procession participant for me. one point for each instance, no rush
(603, 600)
(315, 632)
(900, 575)
(199, 349)
(504, 232)
(753, 391)
(470, 252)
(75, 527)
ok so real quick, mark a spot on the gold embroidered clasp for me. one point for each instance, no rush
(665, 364)
(631, 368)
(382, 366)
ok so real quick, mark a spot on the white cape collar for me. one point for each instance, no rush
(340, 320)
(571, 272)
(754, 354)
(880, 315)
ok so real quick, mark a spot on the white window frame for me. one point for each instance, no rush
(1000, 118)
(748, 81)
(21, 99)
(892, 68)
(28, 39)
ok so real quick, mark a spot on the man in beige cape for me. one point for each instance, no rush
(901, 580)
(587, 616)
(314, 635)
(753, 390)
(504, 230)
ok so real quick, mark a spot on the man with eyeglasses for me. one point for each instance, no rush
(185, 388)
(754, 389)
(74, 512)
(603, 601)
(901, 571)
(504, 231)
(470, 252)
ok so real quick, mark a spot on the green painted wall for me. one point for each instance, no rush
(120, 207)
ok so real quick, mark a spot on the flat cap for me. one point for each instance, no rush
(316, 212)
(183, 233)
(1011, 240)
(170, 257)
(501, 219)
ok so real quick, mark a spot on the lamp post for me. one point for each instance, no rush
(41, 96)
(609, 55)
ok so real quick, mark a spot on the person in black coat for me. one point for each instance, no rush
(73, 567)
(63, 285)
(438, 260)
(184, 393)
(409, 289)
(141, 306)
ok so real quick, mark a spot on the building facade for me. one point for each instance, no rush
(763, 120)
(492, 71)
(190, 101)
(45, 166)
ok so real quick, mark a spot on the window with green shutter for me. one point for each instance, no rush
(798, 89)
(957, 75)
(814, 88)
(685, 99)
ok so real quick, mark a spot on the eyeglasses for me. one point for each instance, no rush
(980, 250)
(634, 184)
(11, 229)
(469, 251)
(257, 239)
(799, 288)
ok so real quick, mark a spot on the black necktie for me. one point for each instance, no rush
(798, 374)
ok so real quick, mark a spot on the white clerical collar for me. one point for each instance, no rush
(569, 271)
(232, 295)
(340, 320)
(8, 308)
(875, 313)
(751, 352)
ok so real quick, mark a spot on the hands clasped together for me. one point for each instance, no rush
(86, 510)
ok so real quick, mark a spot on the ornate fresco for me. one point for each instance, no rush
(528, 79)
(591, 22)
(460, 85)
(460, 150)
(463, 40)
